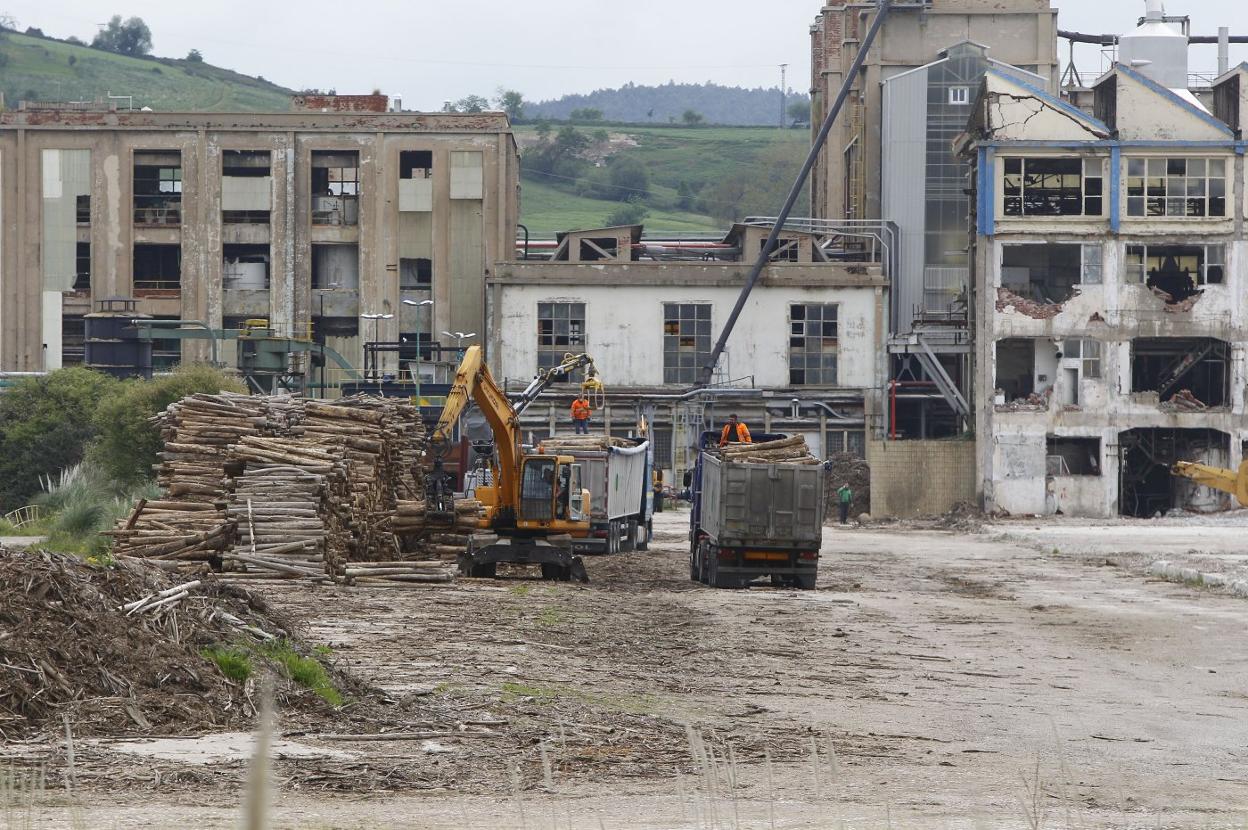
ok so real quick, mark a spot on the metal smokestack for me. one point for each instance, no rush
(1156, 49)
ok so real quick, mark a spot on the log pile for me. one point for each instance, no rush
(583, 443)
(426, 538)
(783, 451)
(281, 487)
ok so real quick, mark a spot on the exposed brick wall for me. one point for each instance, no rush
(341, 103)
(920, 478)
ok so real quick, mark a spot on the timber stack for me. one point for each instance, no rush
(783, 451)
(583, 443)
(281, 487)
(426, 538)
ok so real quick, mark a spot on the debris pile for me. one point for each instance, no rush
(1008, 300)
(847, 468)
(1035, 402)
(1183, 401)
(783, 451)
(116, 650)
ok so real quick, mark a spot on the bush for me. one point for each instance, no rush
(632, 213)
(128, 442)
(45, 426)
(629, 178)
(131, 37)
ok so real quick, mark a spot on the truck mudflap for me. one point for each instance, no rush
(554, 554)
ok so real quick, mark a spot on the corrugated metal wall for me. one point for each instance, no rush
(904, 159)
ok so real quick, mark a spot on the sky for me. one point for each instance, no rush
(430, 52)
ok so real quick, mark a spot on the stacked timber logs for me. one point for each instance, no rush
(784, 451)
(292, 506)
(583, 443)
(428, 538)
(180, 536)
(280, 487)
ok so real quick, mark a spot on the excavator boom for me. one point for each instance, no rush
(1223, 480)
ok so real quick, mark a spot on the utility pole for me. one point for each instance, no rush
(784, 96)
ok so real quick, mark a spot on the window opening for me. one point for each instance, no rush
(686, 341)
(813, 344)
(1053, 186)
(560, 330)
(1176, 187)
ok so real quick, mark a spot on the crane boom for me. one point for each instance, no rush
(1222, 480)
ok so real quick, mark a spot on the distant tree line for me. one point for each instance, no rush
(674, 103)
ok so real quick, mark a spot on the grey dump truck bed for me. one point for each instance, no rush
(756, 519)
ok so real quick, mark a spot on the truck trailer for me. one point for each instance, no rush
(621, 500)
(751, 520)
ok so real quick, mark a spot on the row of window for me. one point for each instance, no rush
(1155, 187)
(687, 339)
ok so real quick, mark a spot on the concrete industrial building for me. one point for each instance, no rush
(1110, 286)
(322, 220)
(803, 357)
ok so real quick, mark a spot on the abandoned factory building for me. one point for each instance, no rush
(322, 220)
(1110, 289)
(802, 359)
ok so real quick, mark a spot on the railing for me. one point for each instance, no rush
(855, 240)
(158, 210)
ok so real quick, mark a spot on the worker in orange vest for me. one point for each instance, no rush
(735, 432)
(580, 415)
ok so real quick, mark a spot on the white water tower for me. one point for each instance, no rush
(1156, 49)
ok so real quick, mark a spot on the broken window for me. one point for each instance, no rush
(82, 268)
(335, 187)
(786, 250)
(1073, 456)
(560, 330)
(246, 267)
(1053, 186)
(1048, 273)
(73, 339)
(158, 188)
(813, 341)
(1176, 269)
(1188, 374)
(1183, 187)
(686, 341)
(336, 267)
(157, 267)
(246, 187)
(415, 273)
(415, 164)
(1025, 370)
(83, 209)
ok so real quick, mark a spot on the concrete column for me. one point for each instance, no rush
(282, 234)
(441, 243)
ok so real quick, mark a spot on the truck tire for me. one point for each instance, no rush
(717, 580)
(486, 571)
(805, 583)
(645, 533)
(693, 563)
(630, 536)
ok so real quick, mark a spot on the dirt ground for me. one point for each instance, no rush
(1027, 675)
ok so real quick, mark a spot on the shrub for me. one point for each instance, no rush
(306, 671)
(45, 426)
(128, 442)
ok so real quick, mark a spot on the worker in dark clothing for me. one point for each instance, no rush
(844, 497)
(735, 432)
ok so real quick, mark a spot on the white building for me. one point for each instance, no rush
(803, 356)
(1110, 287)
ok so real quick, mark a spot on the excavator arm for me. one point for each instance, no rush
(1226, 481)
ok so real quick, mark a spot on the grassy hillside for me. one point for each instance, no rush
(40, 69)
(711, 158)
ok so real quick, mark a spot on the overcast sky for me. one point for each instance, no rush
(430, 51)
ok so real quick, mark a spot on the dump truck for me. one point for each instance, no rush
(751, 520)
(617, 474)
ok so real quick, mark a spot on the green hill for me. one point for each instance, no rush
(44, 69)
(726, 173)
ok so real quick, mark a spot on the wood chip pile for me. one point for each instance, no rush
(784, 451)
(281, 487)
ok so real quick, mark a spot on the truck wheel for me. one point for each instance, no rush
(805, 583)
(553, 572)
(717, 580)
(703, 566)
(486, 571)
(644, 534)
(630, 535)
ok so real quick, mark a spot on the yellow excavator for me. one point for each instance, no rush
(534, 504)
(1223, 480)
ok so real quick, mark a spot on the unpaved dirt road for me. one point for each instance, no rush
(933, 679)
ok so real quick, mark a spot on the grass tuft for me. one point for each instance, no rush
(234, 663)
(306, 671)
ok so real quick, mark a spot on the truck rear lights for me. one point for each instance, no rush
(808, 555)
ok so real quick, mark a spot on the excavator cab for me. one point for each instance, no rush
(550, 492)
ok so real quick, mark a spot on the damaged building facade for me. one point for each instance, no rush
(1110, 289)
(322, 220)
(802, 359)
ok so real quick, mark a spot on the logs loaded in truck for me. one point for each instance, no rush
(617, 473)
(757, 512)
(534, 505)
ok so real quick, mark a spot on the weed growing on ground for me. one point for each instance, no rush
(550, 616)
(520, 590)
(306, 671)
(234, 663)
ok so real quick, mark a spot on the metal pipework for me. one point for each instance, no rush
(764, 256)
